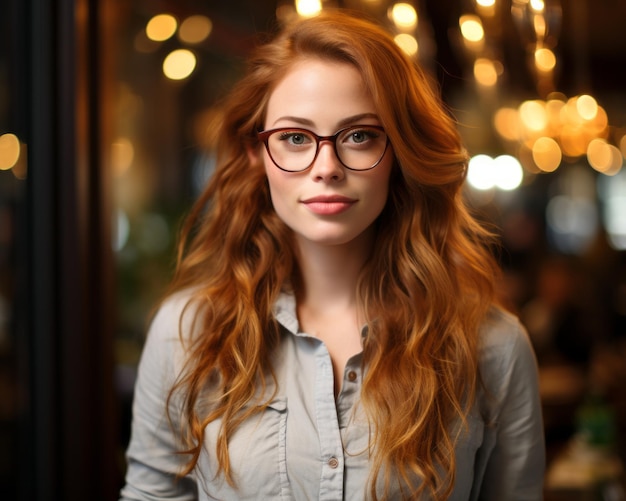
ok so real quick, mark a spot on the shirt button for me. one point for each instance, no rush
(352, 376)
(333, 462)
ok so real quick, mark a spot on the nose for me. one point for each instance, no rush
(327, 166)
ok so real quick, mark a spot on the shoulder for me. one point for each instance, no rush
(501, 332)
(173, 325)
(505, 351)
(175, 317)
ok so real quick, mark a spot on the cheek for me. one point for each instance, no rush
(379, 186)
(278, 187)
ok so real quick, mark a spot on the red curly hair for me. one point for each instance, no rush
(425, 290)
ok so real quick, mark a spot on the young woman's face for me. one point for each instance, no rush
(326, 203)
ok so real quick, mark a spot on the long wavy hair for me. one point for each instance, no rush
(425, 290)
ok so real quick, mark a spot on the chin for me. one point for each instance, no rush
(330, 238)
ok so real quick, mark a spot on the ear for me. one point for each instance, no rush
(254, 154)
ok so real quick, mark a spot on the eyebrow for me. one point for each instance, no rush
(345, 121)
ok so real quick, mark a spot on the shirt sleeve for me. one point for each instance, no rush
(152, 454)
(516, 466)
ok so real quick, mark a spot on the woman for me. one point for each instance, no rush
(331, 330)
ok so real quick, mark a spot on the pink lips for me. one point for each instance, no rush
(328, 205)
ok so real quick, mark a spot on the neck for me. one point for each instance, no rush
(330, 272)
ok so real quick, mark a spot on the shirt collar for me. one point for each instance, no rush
(285, 312)
(286, 315)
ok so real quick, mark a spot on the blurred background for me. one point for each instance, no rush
(106, 113)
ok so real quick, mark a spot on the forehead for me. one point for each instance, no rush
(319, 91)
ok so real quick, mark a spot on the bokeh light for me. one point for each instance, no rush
(308, 8)
(572, 223)
(122, 155)
(485, 72)
(587, 107)
(545, 60)
(503, 172)
(161, 27)
(533, 115)
(404, 16)
(508, 172)
(480, 172)
(507, 123)
(539, 24)
(9, 151)
(537, 5)
(604, 157)
(179, 64)
(407, 43)
(546, 154)
(195, 29)
(612, 191)
(471, 28)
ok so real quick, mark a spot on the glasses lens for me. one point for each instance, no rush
(292, 149)
(361, 147)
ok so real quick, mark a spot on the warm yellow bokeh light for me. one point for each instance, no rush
(587, 107)
(486, 8)
(404, 15)
(537, 5)
(539, 23)
(573, 140)
(533, 115)
(122, 155)
(161, 27)
(569, 113)
(604, 157)
(553, 110)
(599, 124)
(179, 64)
(195, 29)
(308, 8)
(507, 123)
(471, 28)
(485, 72)
(547, 154)
(9, 151)
(622, 145)
(545, 60)
(407, 43)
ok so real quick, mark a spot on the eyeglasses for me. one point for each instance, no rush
(358, 147)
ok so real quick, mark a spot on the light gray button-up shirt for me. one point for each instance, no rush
(309, 445)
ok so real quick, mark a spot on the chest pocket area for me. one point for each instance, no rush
(257, 455)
